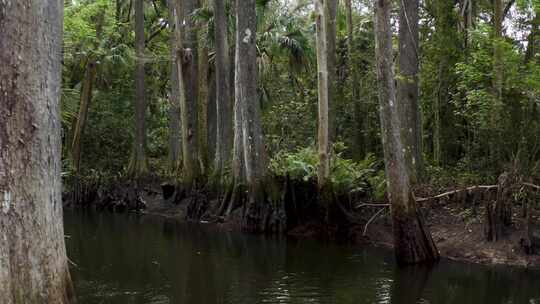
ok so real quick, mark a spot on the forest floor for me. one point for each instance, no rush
(456, 228)
(459, 236)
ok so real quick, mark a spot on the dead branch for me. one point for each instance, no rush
(472, 188)
(532, 186)
(371, 220)
(445, 194)
(370, 205)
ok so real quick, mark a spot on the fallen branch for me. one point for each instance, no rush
(485, 187)
(531, 185)
(371, 220)
(370, 205)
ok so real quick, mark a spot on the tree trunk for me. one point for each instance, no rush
(437, 118)
(358, 144)
(412, 240)
(246, 93)
(187, 67)
(203, 95)
(498, 78)
(499, 217)
(138, 166)
(212, 127)
(33, 262)
(223, 94)
(323, 93)
(407, 87)
(175, 151)
(86, 98)
(330, 13)
(532, 38)
(259, 215)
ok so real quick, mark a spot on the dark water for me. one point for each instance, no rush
(130, 259)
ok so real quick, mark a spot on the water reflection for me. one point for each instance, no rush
(132, 259)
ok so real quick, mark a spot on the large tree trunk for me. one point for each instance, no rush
(407, 87)
(203, 95)
(33, 262)
(175, 149)
(323, 92)
(412, 240)
(138, 166)
(187, 67)
(260, 214)
(223, 94)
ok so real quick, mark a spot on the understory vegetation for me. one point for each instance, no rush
(223, 108)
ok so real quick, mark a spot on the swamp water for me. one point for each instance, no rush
(128, 259)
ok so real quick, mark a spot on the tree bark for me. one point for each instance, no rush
(323, 92)
(498, 78)
(212, 124)
(86, 98)
(259, 213)
(412, 240)
(358, 144)
(203, 95)
(175, 149)
(223, 94)
(138, 166)
(187, 67)
(330, 12)
(246, 93)
(33, 261)
(407, 86)
(532, 38)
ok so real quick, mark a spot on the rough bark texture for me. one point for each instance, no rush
(412, 240)
(33, 262)
(499, 214)
(223, 94)
(187, 67)
(260, 214)
(138, 166)
(175, 149)
(323, 91)
(407, 86)
(246, 93)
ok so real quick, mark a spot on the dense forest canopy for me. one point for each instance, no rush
(464, 125)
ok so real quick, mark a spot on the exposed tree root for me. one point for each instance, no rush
(413, 244)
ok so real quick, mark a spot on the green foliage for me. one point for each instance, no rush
(456, 70)
(345, 174)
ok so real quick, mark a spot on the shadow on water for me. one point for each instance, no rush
(133, 259)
